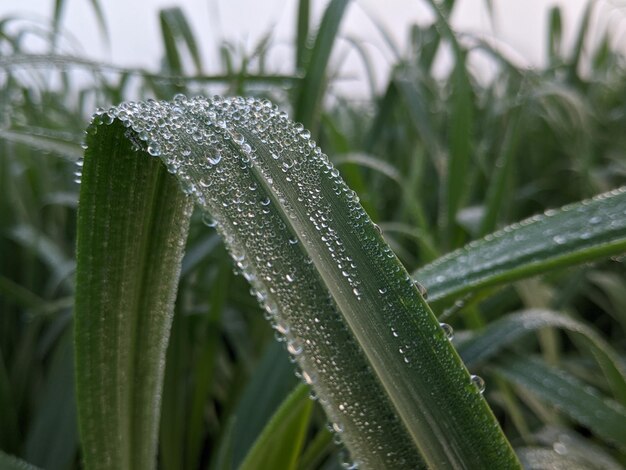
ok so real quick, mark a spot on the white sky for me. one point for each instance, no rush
(519, 25)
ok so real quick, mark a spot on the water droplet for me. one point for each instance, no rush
(214, 159)
(422, 290)
(559, 239)
(478, 382)
(447, 330)
(560, 448)
(154, 149)
(294, 347)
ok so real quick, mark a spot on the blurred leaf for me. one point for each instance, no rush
(582, 403)
(569, 442)
(501, 173)
(273, 379)
(174, 28)
(538, 458)
(44, 141)
(502, 333)
(206, 363)
(280, 443)
(302, 33)
(312, 87)
(555, 37)
(52, 442)
(459, 142)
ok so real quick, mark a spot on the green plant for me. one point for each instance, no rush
(526, 142)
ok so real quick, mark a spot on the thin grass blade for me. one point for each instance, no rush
(280, 443)
(574, 234)
(311, 89)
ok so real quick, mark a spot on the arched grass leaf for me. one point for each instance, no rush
(350, 314)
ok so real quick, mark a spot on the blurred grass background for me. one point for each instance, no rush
(437, 161)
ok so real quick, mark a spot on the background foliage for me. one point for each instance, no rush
(437, 161)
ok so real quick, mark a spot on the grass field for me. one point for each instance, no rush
(436, 163)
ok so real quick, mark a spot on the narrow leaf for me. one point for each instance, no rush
(312, 87)
(281, 441)
(132, 225)
(582, 403)
(575, 234)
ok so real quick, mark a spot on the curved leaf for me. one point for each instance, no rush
(394, 388)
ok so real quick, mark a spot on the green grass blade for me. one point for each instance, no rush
(302, 33)
(582, 403)
(555, 37)
(351, 316)
(501, 173)
(132, 225)
(206, 365)
(575, 234)
(459, 143)
(269, 386)
(280, 443)
(576, 445)
(500, 334)
(44, 141)
(174, 28)
(312, 87)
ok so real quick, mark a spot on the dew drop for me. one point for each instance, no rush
(422, 290)
(154, 149)
(447, 330)
(214, 159)
(294, 347)
(478, 382)
(559, 239)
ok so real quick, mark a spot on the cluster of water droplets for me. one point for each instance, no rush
(273, 195)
